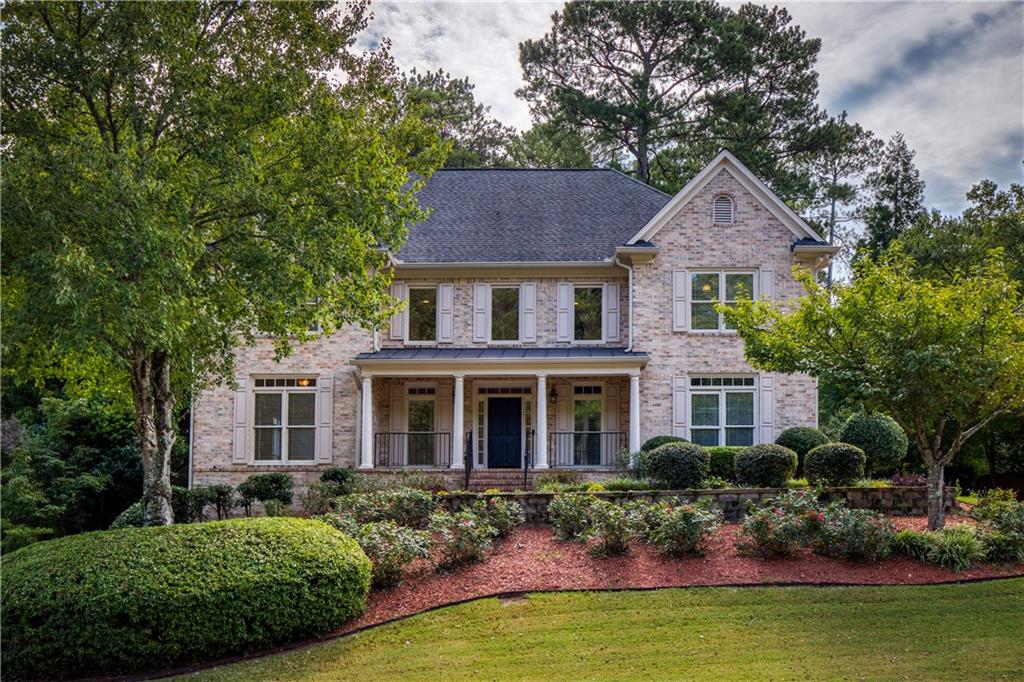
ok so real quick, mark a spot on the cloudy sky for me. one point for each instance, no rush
(950, 76)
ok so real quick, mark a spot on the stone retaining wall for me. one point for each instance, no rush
(733, 501)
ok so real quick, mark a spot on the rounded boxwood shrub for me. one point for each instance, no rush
(765, 466)
(880, 437)
(834, 464)
(125, 601)
(658, 441)
(342, 481)
(723, 461)
(679, 465)
(801, 440)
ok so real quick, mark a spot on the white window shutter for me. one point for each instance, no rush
(240, 442)
(324, 418)
(679, 387)
(564, 312)
(528, 312)
(398, 319)
(766, 408)
(611, 311)
(481, 312)
(445, 313)
(766, 284)
(680, 308)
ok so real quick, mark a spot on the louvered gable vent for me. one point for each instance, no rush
(723, 210)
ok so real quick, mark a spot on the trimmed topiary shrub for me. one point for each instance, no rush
(138, 599)
(880, 437)
(275, 487)
(801, 440)
(679, 465)
(834, 464)
(658, 441)
(341, 481)
(723, 461)
(765, 466)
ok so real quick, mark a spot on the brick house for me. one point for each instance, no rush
(553, 317)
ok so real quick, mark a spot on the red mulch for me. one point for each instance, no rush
(531, 559)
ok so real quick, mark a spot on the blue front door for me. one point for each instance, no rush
(504, 433)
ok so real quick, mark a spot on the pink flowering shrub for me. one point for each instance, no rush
(854, 534)
(405, 506)
(462, 537)
(682, 528)
(780, 527)
(504, 515)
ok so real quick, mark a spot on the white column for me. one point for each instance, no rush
(540, 459)
(458, 409)
(634, 412)
(366, 428)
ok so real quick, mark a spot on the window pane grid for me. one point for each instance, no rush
(504, 313)
(722, 411)
(587, 313)
(284, 421)
(709, 288)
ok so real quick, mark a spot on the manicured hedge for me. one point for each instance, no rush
(723, 461)
(658, 441)
(679, 465)
(834, 464)
(137, 599)
(880, 437)
(765, 466)
(801, 440)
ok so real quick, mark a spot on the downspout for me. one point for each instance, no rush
(629, 288)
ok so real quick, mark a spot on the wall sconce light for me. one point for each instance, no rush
(553, 395)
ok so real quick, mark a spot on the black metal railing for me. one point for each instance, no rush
(412, 449)
(585, 448)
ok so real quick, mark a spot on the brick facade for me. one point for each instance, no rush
(757, 240)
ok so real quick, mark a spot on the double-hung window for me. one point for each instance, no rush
(710, 288)
(504, 313)
(587, 308)
(722, 410)
(285, 419)
(422, 314)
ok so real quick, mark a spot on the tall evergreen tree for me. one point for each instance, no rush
(844, 153)
(896, 198)
(666, 84)
(548, 145)
(448, 105)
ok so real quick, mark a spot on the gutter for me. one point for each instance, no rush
(629, 270)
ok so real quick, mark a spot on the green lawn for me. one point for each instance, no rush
(953, 632)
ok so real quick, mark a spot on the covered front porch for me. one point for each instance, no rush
(498, 409)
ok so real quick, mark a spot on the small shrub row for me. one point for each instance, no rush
(675, 528)
(405, 506)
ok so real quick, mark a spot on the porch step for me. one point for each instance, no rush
(502, 479)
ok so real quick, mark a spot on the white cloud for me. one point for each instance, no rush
(951, 81)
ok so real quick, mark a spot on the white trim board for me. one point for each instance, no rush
(725, 160)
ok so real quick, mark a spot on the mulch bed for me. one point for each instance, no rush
(531, 559)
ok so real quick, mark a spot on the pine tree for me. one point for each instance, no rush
(897, 198)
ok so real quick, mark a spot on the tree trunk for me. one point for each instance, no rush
(936, 496)
(156, 470)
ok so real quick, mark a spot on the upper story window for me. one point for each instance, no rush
(709, 288)
(504, 313)
(587, 307)
(422, 313)
(722, 210)
(285, 420)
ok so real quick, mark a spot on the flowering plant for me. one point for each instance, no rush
(390, 547)
(683, 528)
(463, 537)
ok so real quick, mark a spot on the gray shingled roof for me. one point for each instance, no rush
(500, 353)
(504, 215)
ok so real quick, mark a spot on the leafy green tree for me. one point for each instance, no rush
(843, 154)
(896, 198)
(944, 245)
(448, 105)
(663, 84)
(180, 177)
(548, 145)
(942, 358)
